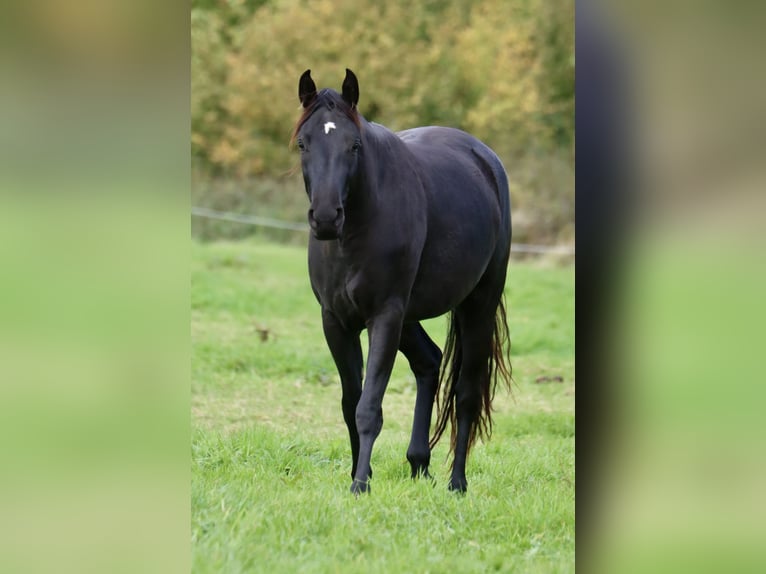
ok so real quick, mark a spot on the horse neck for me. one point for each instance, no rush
(371, 193)
(384, 151)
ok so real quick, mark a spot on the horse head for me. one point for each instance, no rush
(329, 138)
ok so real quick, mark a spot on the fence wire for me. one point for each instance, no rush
(293, 226)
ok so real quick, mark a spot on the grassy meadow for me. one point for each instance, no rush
(270, 453)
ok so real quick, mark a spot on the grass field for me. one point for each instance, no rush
(270, 452)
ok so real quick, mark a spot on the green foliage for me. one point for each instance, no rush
(208, 79)
(270, 454)
(501, 69)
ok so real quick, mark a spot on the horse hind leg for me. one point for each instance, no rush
(425, 358)
(477, 317)
(476, 347)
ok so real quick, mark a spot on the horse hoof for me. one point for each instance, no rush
(459, 485)
(353, 473)
(358, 487)
(421, 473)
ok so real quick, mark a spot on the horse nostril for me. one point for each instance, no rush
(322, 218)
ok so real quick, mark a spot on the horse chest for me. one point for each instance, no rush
(355, 292)
(346, 295)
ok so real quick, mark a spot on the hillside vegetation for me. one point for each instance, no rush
(500, 69)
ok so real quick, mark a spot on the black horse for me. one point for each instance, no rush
(406, 226)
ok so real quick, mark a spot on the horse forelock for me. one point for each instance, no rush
(329, 99)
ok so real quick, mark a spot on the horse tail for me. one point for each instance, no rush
(498, 371)
(452, 358)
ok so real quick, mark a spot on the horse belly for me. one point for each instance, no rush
(460, 244)
(445, 280)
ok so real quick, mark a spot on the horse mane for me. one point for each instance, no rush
(330, 99)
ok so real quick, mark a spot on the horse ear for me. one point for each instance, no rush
(307, 90)
(350, 89)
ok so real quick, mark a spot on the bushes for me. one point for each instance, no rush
(500, 69)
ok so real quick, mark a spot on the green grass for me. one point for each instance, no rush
(270, 451)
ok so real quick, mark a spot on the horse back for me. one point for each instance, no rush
(452, 155)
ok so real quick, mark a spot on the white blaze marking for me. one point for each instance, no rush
(329, 126)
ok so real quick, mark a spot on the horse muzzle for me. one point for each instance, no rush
(326, 225)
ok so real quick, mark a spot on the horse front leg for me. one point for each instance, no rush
(346, 351)
(384, 334)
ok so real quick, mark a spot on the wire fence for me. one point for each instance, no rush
(293, 226)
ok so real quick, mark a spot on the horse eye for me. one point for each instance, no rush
(357, 146)
(301, 145)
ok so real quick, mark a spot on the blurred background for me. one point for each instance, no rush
(502, 70)
(96, 105)
(671, 105)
